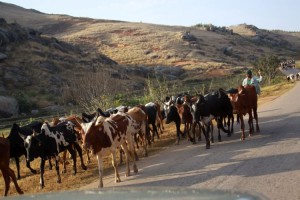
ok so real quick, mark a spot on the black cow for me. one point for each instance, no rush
(17, 148)
(49, 143)
(152, 113)
(172, 115)
(215, 105)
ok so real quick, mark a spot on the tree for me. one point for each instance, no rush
(94, 90)
(268, 67)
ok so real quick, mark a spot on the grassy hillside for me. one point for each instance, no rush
(187, 56)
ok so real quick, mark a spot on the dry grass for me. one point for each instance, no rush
(270, 93)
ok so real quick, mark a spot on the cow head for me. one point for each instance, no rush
(32, 145)
(172, 114)
(87, 130)
(15, 129)
(95, 137)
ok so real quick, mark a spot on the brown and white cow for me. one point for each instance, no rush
(106, 135)
(140, 116)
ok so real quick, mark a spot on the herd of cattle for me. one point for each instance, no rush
(125, 129)
(293, 77)
(290, 64)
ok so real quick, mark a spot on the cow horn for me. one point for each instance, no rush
(99, 111)
(22, 136)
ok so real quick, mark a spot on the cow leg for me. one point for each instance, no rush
(136, 141)
(42, 165)
(14, 179)
(143, 137)
(130, 152)
(219, 125)
(211, 132)
(155, 131)
(241, 118)
(187, 128)
(125, 148)
(73, 155)
(29, 167)
(219, 135)
(50, 163)
(114, 164)
(88, 157)
(64, 160)
(148, 134)
(206, 135)
(162, 124)
(178, 132)
(200, 129)
(194, 132)
(136, 158)
(256, 119)
(6, 180)
(121, 156)
(250, 122)
(100, 168)
(18, 166)
(57, 169)
(79, 150)
(230, 124)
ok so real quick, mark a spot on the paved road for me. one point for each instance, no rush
(267, 163)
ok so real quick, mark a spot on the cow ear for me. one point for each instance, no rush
(79, 121)
(34, 132)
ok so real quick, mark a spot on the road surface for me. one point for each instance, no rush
(267, 164)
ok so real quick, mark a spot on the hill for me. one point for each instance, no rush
(185, 54)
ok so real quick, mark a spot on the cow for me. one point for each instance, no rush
(159, 118)
(140, 116)
(152, 113)
(17, 148)
(215, 105)
(290, 77)
(101, 115)
(297, 76)
(49, 143)
(180, 114)
(77, 127)
(172, 115)
(103, 136)
(138, 113)
(7, 172)
(245, 102)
